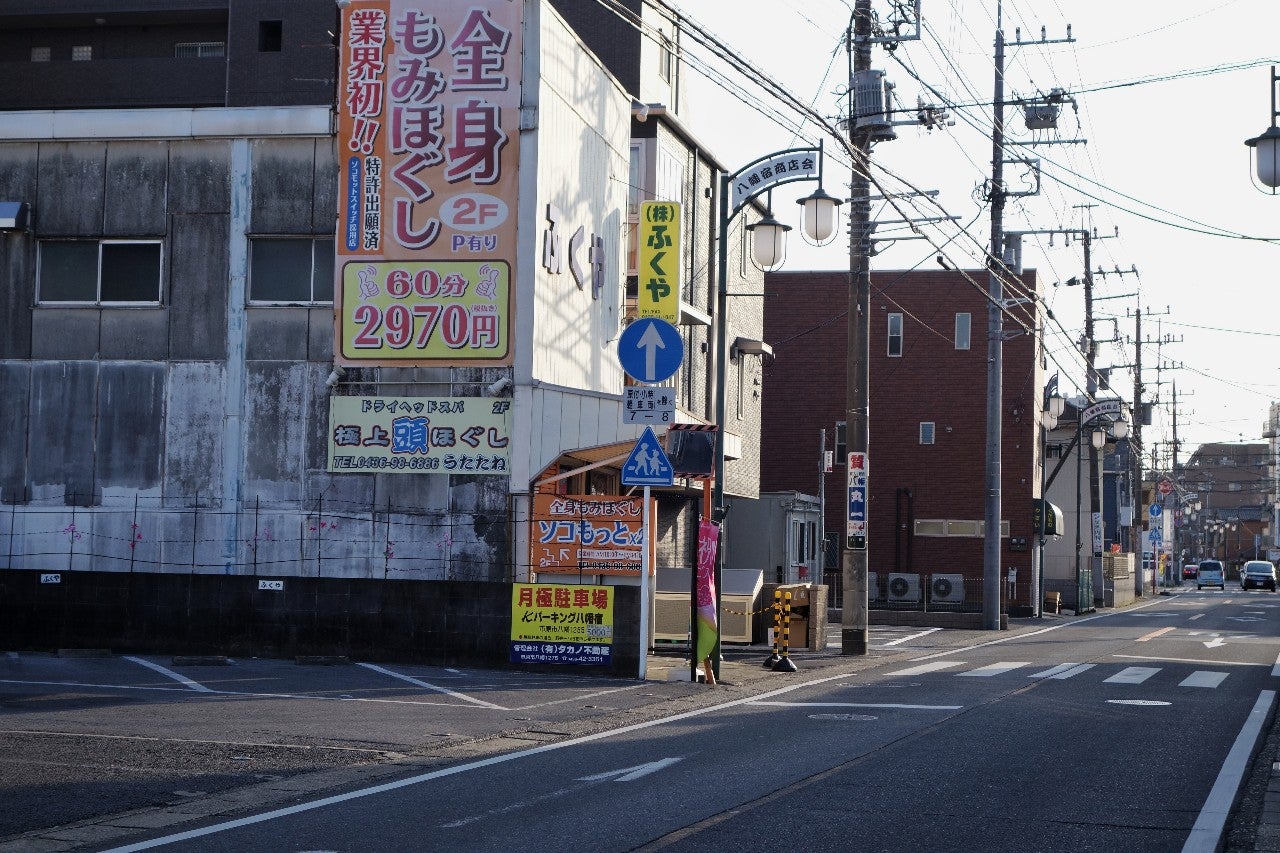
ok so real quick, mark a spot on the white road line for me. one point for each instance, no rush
(928, 667)
(1148, 637)
(1275, 670)
(212, 693)
(460, 768)
(1063, 671)
(168, 673)
(1209, 825)
(908, 637)
(577, 698)
(994, 669)
(1203, 678)
(1188, 660)
(410, 679)
(887, 705)
(1132, 675)
(1197, 616)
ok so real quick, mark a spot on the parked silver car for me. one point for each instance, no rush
(1258, 573)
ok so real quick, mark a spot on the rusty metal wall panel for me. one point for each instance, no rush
(130, 425)
(276, 417)
(200, 176)
(198, 284)
(15, 390)
(278, 333)
(283, 186)
(65, 333)
(136, 189)
(193, 431)
(135, 334)
(69, 198)
(60, 430)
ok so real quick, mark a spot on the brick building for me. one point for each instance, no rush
(928, 369)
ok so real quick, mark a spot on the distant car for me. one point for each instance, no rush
(1258, 573)
(1210, 573)
(1189, 572)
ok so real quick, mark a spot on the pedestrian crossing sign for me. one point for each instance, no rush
(648, 464)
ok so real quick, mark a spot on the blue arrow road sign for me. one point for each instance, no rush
(648, 464)
(650, 350)
(1155, 510)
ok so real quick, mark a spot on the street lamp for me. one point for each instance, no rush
(1108, 415)
(1266, 146)
(767, 249)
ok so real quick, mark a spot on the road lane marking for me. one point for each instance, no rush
(1197, 616)
(1203, 678)
(908, 637)
(1209, 825)
(215, 693)
(460, 768)
(928, 667)
(1063, 671)
(168, 673)
(884, 705)
(1132, 675)
(993, 669)
(1275, 670)
(420, 683)
(1148, 637)
(631, 774)
(1189, 660)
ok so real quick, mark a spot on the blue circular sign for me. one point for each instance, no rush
(650, 350)
(1155, 510)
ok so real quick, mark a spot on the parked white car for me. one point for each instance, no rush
(1211, 573)
(1258, 573)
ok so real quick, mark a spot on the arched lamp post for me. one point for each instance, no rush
(1266, 146)
(1105, 415)
(768, 249)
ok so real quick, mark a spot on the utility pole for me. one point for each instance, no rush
(855, 612)
(995, 351)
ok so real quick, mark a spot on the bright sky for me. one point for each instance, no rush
(1170, 150)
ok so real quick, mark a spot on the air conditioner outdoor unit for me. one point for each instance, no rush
(904, 588)
(947, 589)
(671, 616)
(873, 587)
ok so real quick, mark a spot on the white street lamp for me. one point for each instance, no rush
(768, 248)
(1266, 146)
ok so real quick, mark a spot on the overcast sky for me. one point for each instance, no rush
(1164, 162)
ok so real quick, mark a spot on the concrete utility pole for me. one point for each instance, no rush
(855, 613)
(995, 352)
(1135, 442)
(1095, 454)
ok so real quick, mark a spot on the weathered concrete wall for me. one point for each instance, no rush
(117, 416)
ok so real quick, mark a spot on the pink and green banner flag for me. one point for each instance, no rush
(708, 541)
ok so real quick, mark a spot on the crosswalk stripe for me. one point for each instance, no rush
(1132, 675)
(935, 666)
(994, 669)
(1203, 678)
(1064, 670)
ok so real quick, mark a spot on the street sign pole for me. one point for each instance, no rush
(644, 587)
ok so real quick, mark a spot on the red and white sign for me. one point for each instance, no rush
(1166, 486)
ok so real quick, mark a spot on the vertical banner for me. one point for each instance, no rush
(708, 543)
(659, 266)
(428, 113)
(856, 531)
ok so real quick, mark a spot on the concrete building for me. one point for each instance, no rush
(928, 363)
(179, 379)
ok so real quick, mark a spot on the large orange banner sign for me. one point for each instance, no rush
(428, 117)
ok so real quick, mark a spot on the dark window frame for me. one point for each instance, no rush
(322, 265)
(103, 246)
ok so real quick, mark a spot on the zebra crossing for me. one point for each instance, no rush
(1126, 675)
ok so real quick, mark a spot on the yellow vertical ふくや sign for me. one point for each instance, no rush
(658, 267)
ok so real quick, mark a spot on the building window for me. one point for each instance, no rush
(82, 53)
(99, 272)
(963, 323)
(895, 334)
(40, 54)
(666, 58)
(926, 432)
(199, 49)
(270, 36)
(291, 270)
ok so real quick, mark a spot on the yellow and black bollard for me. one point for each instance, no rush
(785, 664)
(777, 629)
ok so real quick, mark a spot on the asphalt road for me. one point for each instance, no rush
(1129, 731)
